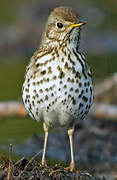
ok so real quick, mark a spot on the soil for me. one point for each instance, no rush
(32, 170)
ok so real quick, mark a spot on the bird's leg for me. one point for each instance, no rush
(43, 162)
(72, 164)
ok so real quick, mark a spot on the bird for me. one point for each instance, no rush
(58, 87)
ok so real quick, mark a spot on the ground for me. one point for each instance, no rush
(32, 170)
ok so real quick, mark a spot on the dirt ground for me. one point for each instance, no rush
(95, 157)
(31, 170)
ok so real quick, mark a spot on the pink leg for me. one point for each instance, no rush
(43, 162)
(72, 164)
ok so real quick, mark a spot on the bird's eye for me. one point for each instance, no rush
(59, 25)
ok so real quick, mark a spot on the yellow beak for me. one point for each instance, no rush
(77, 25)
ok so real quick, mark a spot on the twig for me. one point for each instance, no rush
(30, 162)
(9, 177)
(32, 159)
(31, 177)
(5, 159)
(18, 163)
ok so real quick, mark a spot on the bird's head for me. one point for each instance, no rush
(62, 22)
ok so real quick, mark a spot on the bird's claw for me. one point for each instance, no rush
(71, 167)
(43, 163)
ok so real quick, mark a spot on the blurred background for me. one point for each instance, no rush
(21, 24)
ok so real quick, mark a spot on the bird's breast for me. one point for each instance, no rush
(58, 92)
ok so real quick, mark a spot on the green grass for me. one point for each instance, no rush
(18, 129)
(11, 79)
(15, 131)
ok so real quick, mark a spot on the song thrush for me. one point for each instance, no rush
(58, 84)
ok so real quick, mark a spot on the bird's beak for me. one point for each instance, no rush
(81, 23)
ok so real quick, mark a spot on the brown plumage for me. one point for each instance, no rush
(58, 86)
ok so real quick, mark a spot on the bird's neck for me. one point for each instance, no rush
(72, 39)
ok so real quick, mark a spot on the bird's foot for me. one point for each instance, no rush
(71, 167)
(43, 163)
